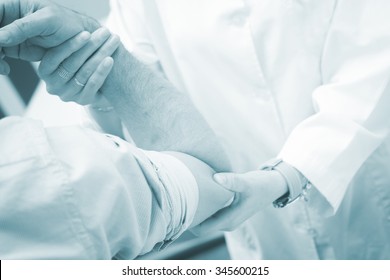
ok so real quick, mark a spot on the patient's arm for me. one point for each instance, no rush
(212, 197)
(157, 115)
(80, 194)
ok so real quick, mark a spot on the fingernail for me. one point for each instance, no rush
(4, 37)
(220, 179)
(108, 61)
(116, 40)
(104, 31)
(84, 36)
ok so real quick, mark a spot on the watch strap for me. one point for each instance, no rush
(297, 183)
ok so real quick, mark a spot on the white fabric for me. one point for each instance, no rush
(179, 187)
(72, 193)
(307, 81)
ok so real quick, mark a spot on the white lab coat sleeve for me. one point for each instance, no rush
(352, 106)
(71, 193)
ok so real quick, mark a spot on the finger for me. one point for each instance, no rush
(106, 50)
(95, 82)
(66, 68)
(77, 59)
(55, 56)
(230, 181)
(226, 219)
(87, 70)
(27, 51)
(39, 23)
(86, 94)
(93, 62)
(4, 68)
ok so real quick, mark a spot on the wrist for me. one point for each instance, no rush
(297, 184)
(279, 185)
(119, 79)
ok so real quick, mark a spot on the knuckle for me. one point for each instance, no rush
(95, 43)
(114, 40)
(83, 102)
(52, 11)
(41, 72)
(88, 72)
(74, 45)
(44, 71)
(21, 25)
(233, 180)
(108, 48)
(93, 83)
(51, 89)
(101, 54)
(49, 14)
(65, 98)
(85, 73)
(66, 66)
(88, 94)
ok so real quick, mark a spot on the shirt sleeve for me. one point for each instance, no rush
(71, 193)
(352, 115)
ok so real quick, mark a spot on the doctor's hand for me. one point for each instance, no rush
(253, 191)
(29, 27)
(76, 69)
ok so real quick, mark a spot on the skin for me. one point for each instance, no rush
(87, 57)
(155, 113)
(37, 26)
(31, 27)
(88, 50)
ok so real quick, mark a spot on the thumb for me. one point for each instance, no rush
(229, 181)
(32, 25)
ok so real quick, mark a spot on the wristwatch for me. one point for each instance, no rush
(297, 184)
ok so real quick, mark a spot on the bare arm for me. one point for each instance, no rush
(157, 115)
(212, 197)
(100, 198)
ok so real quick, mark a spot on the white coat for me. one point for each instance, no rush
(304, 80)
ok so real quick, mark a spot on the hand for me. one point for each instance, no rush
(253, 192)
(76, 70)
(29, 27)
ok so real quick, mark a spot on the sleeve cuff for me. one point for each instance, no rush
(328, 151)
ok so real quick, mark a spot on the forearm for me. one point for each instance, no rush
(212, 197)
(112, 202)
(157, 115)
